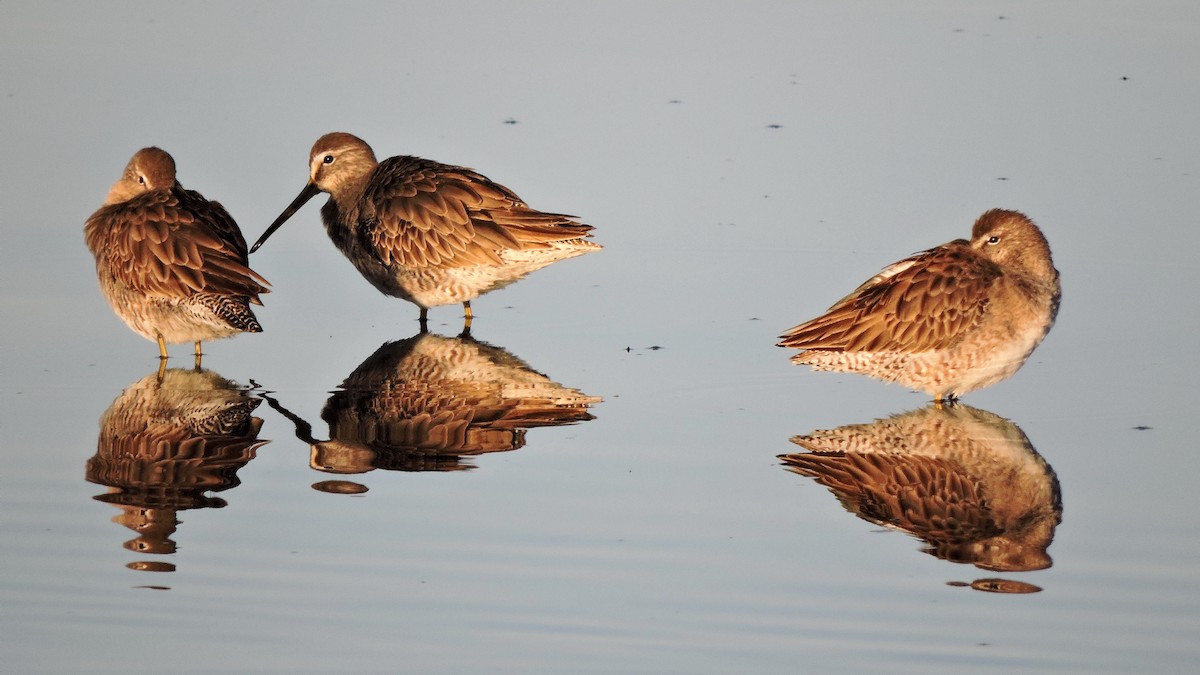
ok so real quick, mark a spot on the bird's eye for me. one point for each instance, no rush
(141, 180)
(328, 159)
(994, 239)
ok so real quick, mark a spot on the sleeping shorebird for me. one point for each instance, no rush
(430, 233)
(172, 264)
(946, 321)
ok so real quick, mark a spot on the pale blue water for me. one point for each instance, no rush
(744, 165)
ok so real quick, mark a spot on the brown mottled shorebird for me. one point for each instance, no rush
(946, 321)
(966, 481)
(430, 233)
(172, 264)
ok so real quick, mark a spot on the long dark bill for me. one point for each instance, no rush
(301, 199)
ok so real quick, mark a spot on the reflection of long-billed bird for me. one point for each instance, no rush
(947, 321)
(164, 446)
(423, 403)
(172, 264)
(430, 233)
(964, 480)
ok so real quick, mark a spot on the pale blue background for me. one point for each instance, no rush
(745, 164)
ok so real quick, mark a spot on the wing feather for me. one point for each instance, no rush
(423, 214)
(921, 303)
(173, 243)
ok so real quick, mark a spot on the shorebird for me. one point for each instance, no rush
(947, 321)
(426, 232)
(172, 264)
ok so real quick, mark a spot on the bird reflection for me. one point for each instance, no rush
(167, 441)
(427, 402)
(965, 481)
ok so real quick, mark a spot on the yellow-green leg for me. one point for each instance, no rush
(198, 355)
(162, 357)
(944, 401)
(467, 315)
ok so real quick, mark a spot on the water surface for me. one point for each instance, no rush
(744, 166)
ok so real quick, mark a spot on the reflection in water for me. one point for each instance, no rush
(1004, 586)
(424, 403)
(166, 442)
(964, 480)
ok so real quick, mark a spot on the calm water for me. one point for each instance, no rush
(745, 165)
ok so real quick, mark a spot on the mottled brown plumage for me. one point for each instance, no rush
(965, 481)
(172, 264)
(430, 233)
(947, 321)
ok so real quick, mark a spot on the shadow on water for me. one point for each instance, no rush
(427, 402)
(166, 442)
(965, 481)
